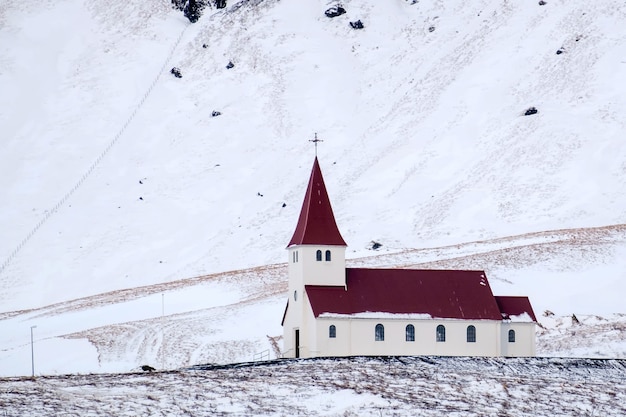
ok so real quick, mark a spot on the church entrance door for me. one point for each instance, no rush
(297, 343)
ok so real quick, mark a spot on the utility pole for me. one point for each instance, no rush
(32, 352)
(163, 331)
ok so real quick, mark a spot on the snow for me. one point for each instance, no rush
(131, 227)
(521, 318)
(379, 314)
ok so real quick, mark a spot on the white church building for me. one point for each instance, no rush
(337, 311)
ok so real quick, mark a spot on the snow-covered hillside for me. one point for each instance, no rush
(125, 204)
(397, 386)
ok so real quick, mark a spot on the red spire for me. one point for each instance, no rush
(316, 225)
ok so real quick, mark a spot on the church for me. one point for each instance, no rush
(337, 311)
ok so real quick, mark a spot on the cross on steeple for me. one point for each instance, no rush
(315, 142)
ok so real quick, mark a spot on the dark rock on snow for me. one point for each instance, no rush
(178, 4)
(335, 11)
(193, 10)
(230, 65)
(529, 111)
(374, 245)
(357, 25)
(176, 72)
(215, 113)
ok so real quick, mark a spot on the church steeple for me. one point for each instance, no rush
(317, 256)
(316, 224)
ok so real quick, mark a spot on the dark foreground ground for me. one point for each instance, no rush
(397, 386)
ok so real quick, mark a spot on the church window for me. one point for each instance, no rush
(441, 333)
(379, 333)
(471, 334)
(295, 296)
(511, 336)
(332, 331)
(318, 255)
(327, 256)
(410, 333)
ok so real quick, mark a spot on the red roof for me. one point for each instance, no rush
(316, 225)
(449, 294)
(515, 306)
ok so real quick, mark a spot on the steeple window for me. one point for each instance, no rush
(318, 255)
(327, 256)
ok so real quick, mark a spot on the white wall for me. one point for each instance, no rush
(312, 272)
(524, 344)
(300, 317)
(306, 270)
(356, 336)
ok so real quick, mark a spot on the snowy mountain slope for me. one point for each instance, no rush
(444, 155)
(115, 177)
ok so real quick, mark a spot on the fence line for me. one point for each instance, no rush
(261, 356)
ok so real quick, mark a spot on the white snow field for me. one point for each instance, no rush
(135, 228)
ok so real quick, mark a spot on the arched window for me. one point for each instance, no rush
(318, 255)
(332, 331)
(327, 256)
(410, 333)
(380, 333)
(511, 336)
(471, 334)
(441, 333)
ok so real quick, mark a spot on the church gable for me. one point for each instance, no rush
(514, 307)
(449, 294)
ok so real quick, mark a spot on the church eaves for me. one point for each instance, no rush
(316, 224)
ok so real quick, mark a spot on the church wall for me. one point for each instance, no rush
(356, 336)
(288, 333)
(299, 317)
(524, 344)
(314, 272)
(338, 346)
(305, 269)
(309, 337)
